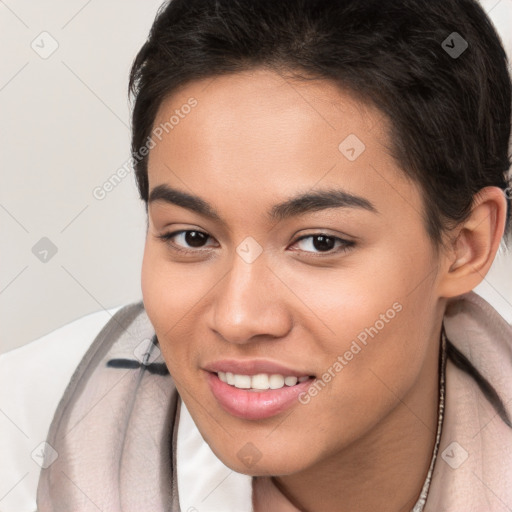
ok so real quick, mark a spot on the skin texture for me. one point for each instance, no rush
(253, 140)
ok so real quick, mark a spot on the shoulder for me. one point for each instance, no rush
(482, 341)
(477, 410)
(32, 381)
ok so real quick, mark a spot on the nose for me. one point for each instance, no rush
(249, 303)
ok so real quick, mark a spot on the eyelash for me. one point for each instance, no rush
(346, 244)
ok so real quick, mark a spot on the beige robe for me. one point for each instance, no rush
(115, 428)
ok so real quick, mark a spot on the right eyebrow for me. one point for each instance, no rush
(170, 195)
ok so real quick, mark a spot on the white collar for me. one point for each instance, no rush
(204, 482)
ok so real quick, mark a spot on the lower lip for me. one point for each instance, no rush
(255, 405)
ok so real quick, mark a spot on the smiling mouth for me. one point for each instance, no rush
(261, 381)
(258, 396)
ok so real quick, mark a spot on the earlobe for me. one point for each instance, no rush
(475, 244)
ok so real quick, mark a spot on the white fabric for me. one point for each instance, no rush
(204, 483)
(32, 381)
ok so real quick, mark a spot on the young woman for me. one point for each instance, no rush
(325, 183)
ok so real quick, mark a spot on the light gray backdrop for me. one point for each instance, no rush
(65, 131)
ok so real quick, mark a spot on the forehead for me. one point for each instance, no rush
(260, 136)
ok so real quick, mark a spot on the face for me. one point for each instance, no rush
(247, 280)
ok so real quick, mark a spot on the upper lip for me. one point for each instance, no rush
(253, 367)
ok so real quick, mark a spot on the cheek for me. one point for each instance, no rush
(154, 283)
(373, 336)
(163, 296)
(378, 290)
(169, 290)
(172, 293)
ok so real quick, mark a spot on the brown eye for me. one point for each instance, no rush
(195, 238)
(185, 240)
(323, 243)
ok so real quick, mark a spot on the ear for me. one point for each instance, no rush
(473, 244)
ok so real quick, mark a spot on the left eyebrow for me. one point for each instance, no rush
(294, 206)
(319, 200)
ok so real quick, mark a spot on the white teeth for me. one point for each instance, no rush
(276, 381)
(290, 381)
(260, 381)
(242, 381)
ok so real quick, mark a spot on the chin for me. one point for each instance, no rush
(249, 460)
